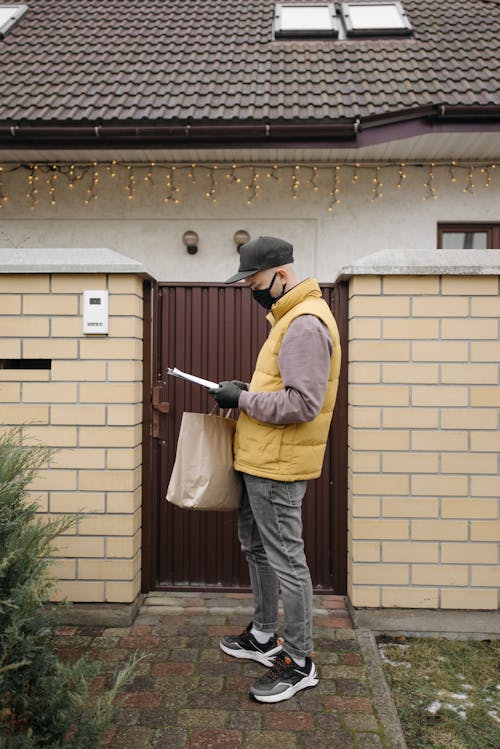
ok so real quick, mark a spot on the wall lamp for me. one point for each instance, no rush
(191, 239)
(240, 237)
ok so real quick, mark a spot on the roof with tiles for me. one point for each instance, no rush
(216, 60)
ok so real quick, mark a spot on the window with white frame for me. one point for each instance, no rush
(9, 15)
(305, 20)
(375, 19)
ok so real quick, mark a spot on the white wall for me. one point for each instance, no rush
(148, 229)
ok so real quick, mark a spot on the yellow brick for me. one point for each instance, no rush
(397, 551)
(383, 395)
(77, 501)
(10, 392)
(485, 351)
(379, 484)
(105, 569)
(79, 546)
(87, 371)
(28, 327)
(439, 530)
(379, 306)
(368, 597)
(21, 414)
(437, 440)
(365, 285)
(440, 395)
(412, 598)
(109, 525)
(469, 553)
(124, 501)
(105, 348)
(109, 480)
(78, 415)
(402, 507)
(40, 499)
(24, 375)
(63, 569)
(119, 371)
(469, 598)
(364, 327)
(486, 530)
(123, 547)
(10, 304)
(440, 307)
(469, 508)
(126, 327)
(124, 458)
(378, 574)
(411, 285)
(379, 529)
(364, 417)
(377, 439)
(54, 479)
(485, 486)
(471, 419)
(50, 348)
(439, 574)
(79, 458)
(123, 592)
(9, 349)
(470, 463)
(489, 307)
(63, 283)
(485, 441)
(444, 486)
(485, 396)
(469, 373)
(50, 304)
(111, 392)
(50, 436)
(126, 305)
(79, 592)
(366, 551)
(469, 329)
(410, 373)
(379, 351)
(66, 327)
(411, 329)
(486, 576)
(21, 283)
(125, 415)
(413, 418)
(409, 462)
(470, 285)
(366, 507)
(125, 284)
(440, 351)
(50, 392)
(110, 436)
(362, 373)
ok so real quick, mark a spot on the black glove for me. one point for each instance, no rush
(240, 384)
(227, 394)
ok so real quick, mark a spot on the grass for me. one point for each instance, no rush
(447, 692)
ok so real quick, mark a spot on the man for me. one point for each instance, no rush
(280, 440)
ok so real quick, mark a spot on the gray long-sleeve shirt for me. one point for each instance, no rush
(304, 362)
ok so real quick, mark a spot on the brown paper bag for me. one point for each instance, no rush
(203, 477)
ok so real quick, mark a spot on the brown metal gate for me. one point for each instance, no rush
(216, 331)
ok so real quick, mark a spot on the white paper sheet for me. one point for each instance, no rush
(191, 378)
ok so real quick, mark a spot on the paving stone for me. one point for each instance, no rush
(327, 721)
(368, 741)
(352, 687)
(219, 700)
(202, 718)
(139, 684)
(245, 720)
(142, 699)
(169, 738)
(134, 737)
(270, 740)
(297, 721)
(140, 643)
(351, 659)
(166, 668)
(157, 717)
(325, 740)
(348, 704)
(360, 722)
(212, 684)
(215, 740)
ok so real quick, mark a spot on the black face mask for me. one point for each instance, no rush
(263, 296)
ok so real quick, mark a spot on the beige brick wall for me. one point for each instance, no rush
(424, 400)
(88, 405)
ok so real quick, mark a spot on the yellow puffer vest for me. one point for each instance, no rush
(290, 452)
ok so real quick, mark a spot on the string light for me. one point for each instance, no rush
(402, 175)
(33, 185)
(213, 185)
(92, 190)
(274, 173)
(429, 185)
(377, 186)
(313, 179)
(3, 197)
(232, 177)
(253, 186)
(452, 171)
(149, 175)
(470, 181)
(130, 187)
(355, 176)
(295, 182)
(335, 200)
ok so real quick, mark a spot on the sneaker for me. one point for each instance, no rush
(284, 680)
(246, 646)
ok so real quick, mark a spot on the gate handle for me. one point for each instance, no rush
(162, 406)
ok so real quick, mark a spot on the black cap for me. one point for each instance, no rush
(260, 254)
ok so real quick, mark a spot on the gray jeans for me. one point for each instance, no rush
(270, 533)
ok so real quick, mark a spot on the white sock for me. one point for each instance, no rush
(299, 661)
(260, 636)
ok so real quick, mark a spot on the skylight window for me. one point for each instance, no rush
(367, 19)
(295, 20)
(9, 14)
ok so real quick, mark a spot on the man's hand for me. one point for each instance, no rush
(228, 394)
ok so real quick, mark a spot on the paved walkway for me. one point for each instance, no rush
(187, 694)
